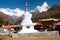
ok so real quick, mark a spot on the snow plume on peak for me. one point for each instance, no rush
(42, 8)
(12, 12)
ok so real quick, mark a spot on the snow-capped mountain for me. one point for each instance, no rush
(42, 8)
(18, 12)
(12, 12)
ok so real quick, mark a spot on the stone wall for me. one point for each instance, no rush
(48, 33)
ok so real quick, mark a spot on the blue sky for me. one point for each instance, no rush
(21, 3)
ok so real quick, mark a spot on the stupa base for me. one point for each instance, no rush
(28, 30)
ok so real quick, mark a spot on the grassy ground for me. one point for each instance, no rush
(31, 38)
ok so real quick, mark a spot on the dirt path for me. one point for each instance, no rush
(31, 38)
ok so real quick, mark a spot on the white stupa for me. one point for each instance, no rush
(27, 24)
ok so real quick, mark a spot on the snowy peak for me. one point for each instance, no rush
(45, 4)
(42, 8)
(38, 7)
(12, 12)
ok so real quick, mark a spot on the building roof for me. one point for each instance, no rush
(10, 26)
(57, 23)
(6, 26)
(38, 24)
(51, 19)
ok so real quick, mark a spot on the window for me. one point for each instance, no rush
(28, 27)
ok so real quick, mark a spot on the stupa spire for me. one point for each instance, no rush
(26, 7)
